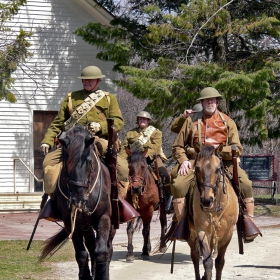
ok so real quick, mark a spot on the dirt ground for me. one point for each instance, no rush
(261, 259)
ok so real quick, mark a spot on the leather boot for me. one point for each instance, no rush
(251, 231)
(181, 231)
(178, 204)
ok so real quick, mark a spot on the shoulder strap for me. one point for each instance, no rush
(70, 107)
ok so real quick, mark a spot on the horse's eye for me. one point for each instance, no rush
(197, 169)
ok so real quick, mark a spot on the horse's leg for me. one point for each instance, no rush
(220, 261)
(102, 251)
(195, 256)
(130, 232)
(206, 253)
(147, 218)
(81, 255)
(89, 236)
(163, 224)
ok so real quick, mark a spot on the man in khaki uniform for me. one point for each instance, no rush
(89, 107)
(147, 136)
(179, 121)
(209, 127)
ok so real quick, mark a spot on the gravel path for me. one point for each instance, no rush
(261, 259)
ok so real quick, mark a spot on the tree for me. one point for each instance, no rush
(13, 48)
(169, 55)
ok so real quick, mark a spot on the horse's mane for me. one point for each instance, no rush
(77, 137)
(206, 152)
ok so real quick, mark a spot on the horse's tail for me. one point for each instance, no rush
(53, 244)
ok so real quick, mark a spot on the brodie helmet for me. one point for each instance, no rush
(197, 108)
(144, 114)
(91, 72)
(209, 92)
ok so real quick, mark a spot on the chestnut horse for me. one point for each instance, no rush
(143, 195)
(214, 213)
(83, 199)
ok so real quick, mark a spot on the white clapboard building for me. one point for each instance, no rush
(58, 58)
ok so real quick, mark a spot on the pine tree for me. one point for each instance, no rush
(13, 50)
(169, 55)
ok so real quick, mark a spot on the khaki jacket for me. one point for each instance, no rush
(185, 135)
(111, 110)
(153, 144)
(177, 124)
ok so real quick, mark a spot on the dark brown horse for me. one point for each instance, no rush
(83, 200)
(143, 195)
(213, 215)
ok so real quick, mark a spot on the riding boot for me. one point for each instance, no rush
(251, 231)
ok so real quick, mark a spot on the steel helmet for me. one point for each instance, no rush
(209, 92)
(91, 72)
(144, 114)
(197, 108)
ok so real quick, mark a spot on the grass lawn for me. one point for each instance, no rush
(17, 263)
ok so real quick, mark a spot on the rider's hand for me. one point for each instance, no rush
(45, 148)
(94, 127)
(184, 168)
(187, 113)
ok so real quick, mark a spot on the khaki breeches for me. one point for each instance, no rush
(55, 157)
(180, 184)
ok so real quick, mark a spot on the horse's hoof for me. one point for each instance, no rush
(145, 257)
(163, 249)
(130, 258)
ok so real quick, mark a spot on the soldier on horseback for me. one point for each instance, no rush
(89, 107)
(210, 127)
(147, 136)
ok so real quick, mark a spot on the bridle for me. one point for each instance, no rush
(142, 184)
(215, 187)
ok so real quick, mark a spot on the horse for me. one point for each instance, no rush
(82, 197)
(213, 214)
(143, 195)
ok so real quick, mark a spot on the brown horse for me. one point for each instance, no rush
(214, 213)
(144, 196)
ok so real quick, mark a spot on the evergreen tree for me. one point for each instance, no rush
(167, 55)
(13, 50)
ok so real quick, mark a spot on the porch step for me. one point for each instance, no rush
(14, 202)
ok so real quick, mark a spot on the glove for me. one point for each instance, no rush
(93, 127)
(45, 148)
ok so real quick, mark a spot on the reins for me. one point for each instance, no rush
(79, 184)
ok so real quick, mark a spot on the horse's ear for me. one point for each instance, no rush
(145, 151)
(129, 152)
(219, 149)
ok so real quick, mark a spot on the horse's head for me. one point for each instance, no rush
(138, 168)
(79, 158)
(208, 170)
